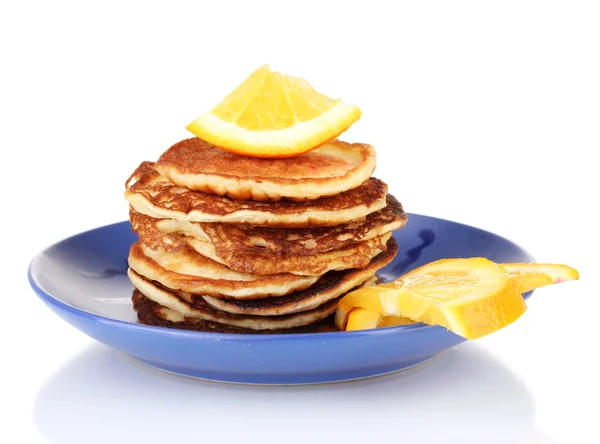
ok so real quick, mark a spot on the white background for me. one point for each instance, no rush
(483, 112)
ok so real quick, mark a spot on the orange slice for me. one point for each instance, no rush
(477, 311)
(363, 319)
(529, 276)
(471, 297)
(391, 321)
(273, 115)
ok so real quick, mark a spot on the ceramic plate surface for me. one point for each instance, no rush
(83, 280)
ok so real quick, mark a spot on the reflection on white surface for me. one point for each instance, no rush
(462, 396)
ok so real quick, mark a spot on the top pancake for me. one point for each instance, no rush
(152, 194)
(331, 169)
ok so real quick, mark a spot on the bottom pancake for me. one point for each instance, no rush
(151, 313)
(180, 309)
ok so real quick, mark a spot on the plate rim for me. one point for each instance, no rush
(240, 337)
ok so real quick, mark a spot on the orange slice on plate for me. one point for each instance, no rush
(274, 115)
(471, 297)
(363, 319)
(529, 276)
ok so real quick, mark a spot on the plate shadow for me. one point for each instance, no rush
(464, 395)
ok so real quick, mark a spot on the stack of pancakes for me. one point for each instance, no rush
(237, 244)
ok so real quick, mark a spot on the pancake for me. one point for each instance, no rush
(151, 313)
(147, 229)
(264, 262)
(189, 271)
(179, 309)
(297, 241)
(154, 195)
(331, 169)
(329, 287)
(238, 238)
(255, 260)
(373, 280)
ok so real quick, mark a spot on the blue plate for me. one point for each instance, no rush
(83, 280)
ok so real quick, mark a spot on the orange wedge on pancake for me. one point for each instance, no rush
(274, 115)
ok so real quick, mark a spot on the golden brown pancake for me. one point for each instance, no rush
(151, 313)
(239, 238)
(301, 241)
(177, 309)
(154, 195)
(189, 271)
(331, 169)
(264, 262)
(330, 286)
(256, 260)
(148, 231)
